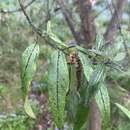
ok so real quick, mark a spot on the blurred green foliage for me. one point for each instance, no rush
(15, 122)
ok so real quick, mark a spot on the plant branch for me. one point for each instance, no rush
(4, 11)
(125, 45)
(69, 21)
(114, 22)
(37, 30)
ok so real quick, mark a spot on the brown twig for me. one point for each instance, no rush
(4, 11)
(37, 30)
(110, 7)
(122, 35)
(115, 21)
(69, 21)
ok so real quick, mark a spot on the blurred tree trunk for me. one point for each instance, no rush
(95, 120)
(88, 31)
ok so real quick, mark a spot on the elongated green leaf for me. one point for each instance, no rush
(103, 101)
(72, 102)
(98, 55)
(28, 108)
(99, 41)
(89, 91)
(120, 56)
(28, 68)
(53, 37)
(81, 116)
(72, 78)
(96, 77)
(93, 77)
(82, 109)
(72, 98)
(58, 86)
(56, 39)
(49, 27)
(81, 49)
(86, 65)
(124, 110)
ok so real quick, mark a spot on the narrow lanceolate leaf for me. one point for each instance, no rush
(54, 37)
(99, 41)
(124, 110)
(28, 68)
(82, 108)
(87, 69)
(58, 86)
(49, 27)
(72, 102)
(72, 98)
(120, 56)
(103, 101)
(93, 77)
(81, 116)
(96, 77)
(89, 91)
